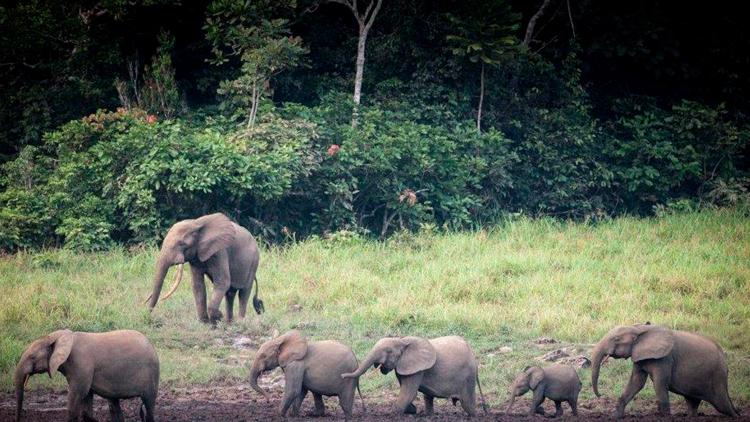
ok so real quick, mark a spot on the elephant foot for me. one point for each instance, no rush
(411, 409)
(539, 411)
(215, 316)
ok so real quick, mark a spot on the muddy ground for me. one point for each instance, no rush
(240, 403)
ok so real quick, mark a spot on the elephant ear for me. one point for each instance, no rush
(292, 346)
(62, 343)
(216, 233)
(654, 343)
(536, 375)
(418, 355)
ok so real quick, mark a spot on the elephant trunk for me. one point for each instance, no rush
(510, 402)
(597, 357)
(255, 372)
(364, 365)
(21, 378)
(162, 267)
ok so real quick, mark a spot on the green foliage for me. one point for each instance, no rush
(658, 155)
(121, 176)
(485, 35)
(263, 44)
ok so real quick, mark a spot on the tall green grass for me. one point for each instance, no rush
(500, 287)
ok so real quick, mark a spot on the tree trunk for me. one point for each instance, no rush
(481, 100)
(365, 21)
(359, 72)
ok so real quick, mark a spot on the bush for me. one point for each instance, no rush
(122, 176)
(659, 155)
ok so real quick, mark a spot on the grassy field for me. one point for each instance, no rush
(501, 287)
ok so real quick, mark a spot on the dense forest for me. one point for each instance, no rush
(309, 117)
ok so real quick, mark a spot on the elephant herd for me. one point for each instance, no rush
(123, 364)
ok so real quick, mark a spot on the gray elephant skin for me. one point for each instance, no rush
(443, 367)
(559, 383)
(114, 365)
(215, 247)
(680, 362)
(314, 366)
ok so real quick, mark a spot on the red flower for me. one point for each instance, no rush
(333, 149)
(151, 118)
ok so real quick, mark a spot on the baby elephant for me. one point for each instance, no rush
(114, 365)
(558, 383)
(308, 365)
(442, 367)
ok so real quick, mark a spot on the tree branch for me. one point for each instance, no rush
(371, 19)
(532, 23)
(570, 16)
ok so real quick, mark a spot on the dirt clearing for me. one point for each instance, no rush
(240, 403)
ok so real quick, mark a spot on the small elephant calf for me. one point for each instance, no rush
(558, 383)
(115, 365)
(314, 366)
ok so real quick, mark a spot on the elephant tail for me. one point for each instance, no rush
(364, 409)
(257, 303)
(361, 399)
(481, 395)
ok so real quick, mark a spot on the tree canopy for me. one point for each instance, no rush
(118, 117)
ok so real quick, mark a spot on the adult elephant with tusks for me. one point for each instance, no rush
(219, 248)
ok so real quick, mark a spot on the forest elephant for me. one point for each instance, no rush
(684, 363)
(114, 365)
(314, 366)
(219, 248)
(558, 383)
(442, 367)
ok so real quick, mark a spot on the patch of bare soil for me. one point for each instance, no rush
(241, 403)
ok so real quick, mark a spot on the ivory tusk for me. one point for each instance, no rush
(148, 298)
(606, 358)
(178, 279)
(25, 380)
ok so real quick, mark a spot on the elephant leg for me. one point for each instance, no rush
(660, 378)
(149, 404)
(199, 293)
(298, 403)
(407, 394)
(573, 406)
(429, 405)
(320, 408)
(723, 404)
(77, 394)
(244, 298)
(346, 398)
(558, 408)
(692, 404)
(293, 375)
(219, 273)
(229, 296)
(536, 403)
(637, 380)
(115, 412)
(468, 398)
(88, 408)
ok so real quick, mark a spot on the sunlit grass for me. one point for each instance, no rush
(501, 287)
